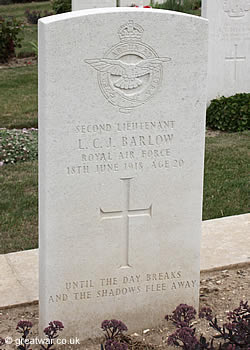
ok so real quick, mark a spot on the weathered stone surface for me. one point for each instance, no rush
(225, 241)
(121, 165)
(229, 46)
(19, 278)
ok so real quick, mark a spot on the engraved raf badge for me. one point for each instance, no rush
(236, 8)
(131, 71)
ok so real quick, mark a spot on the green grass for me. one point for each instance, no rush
(225, 190)
(29, 30)
(18, 207)
(18, 97)
(226, 184)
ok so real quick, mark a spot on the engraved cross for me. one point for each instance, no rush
(235, 59)
(125, 214)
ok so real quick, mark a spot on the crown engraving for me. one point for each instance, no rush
(131, 31)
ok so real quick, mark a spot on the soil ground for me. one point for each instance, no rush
(222, 291)
(19, 62)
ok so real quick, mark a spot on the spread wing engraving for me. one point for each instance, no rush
(151, 64)
(129, 72)
(114, 67)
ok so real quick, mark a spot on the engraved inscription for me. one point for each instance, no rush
(124, 147)
(236, 31)
(130, 73)
(125, 284)
(236, 8)
(125, 214)
(235, 59)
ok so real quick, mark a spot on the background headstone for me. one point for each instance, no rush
(229, 46)
(89, 4)
(121, 115)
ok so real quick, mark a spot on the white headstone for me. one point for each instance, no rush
(122, 129)
(229, 46)
(124, 3)
(89, 4)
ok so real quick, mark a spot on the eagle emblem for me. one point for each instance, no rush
(130, 72)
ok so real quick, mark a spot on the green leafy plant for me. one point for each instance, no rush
(18, 146)
(34, 47)
(196, 4)
(229, 113)
(5, 2)
(186, 6)
(34, 16)
(61, 6)
(10, 39)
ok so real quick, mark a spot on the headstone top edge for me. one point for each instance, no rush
(94, 11)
